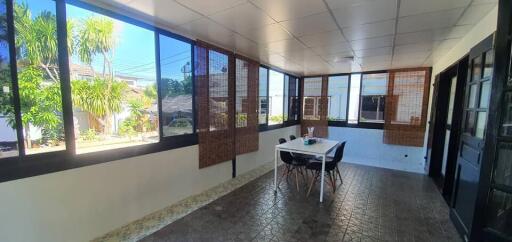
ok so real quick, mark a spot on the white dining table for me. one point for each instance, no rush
(321, 148)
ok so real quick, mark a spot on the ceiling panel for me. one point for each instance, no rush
(207, 30)
(371, 43)
(339, 57)
(374, 52)
(416, 47)
(475, 13)
(209, 7)
(266, 34)
(370, 30)
(242, 17)
(434, 20)
(312, 24)
(332, 49)
(169, 11)
(414, 7)
(290, 9)
(284, 46)
(300, 55)
(321, 39)
(350, 14)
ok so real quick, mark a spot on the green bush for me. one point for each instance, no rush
(89, 135)
(276, 118)
(128, 128)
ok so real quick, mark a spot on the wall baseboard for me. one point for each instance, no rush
(151, 223)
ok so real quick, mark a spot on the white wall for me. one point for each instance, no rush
(83, 203)
(479, 32)
(366, 146)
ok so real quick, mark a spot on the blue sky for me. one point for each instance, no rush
(134, 54)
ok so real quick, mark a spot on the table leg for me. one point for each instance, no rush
(322, 179)
(275, 171)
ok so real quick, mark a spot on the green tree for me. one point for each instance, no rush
(99, 97)
(40, 103)
(151, 92)
(38, 77)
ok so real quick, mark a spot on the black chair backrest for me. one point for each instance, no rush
(339, 152)
(286, 157)
(292, 137)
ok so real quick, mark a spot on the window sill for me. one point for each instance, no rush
(14, 168)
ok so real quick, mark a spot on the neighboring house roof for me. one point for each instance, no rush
(81, 70)
(181, 103)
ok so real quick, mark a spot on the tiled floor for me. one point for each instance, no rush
(372, 204)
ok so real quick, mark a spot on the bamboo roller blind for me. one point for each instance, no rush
(226, 97)
(406, 106)
(314, 93)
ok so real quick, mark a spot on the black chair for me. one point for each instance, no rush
(292, 137)
(331, 168)
(292, 164)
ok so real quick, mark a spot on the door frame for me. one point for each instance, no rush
(437, 130)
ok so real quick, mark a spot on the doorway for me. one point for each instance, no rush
(446, 125)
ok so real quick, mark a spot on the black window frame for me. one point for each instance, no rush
(372, 124)
(288, 123)
(23, 166)
(345, 123)
(341, 123)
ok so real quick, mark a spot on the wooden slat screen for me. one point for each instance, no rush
(247, 79)
(314, 114)
(215, 86)
(406, 106)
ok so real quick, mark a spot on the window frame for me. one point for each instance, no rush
(371, 124)
(23, 165)
(345, 123)
(341, 123)
(266, 127)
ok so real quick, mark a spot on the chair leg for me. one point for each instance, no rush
(296, 171)
(284, 173)
(313, 181)
(333, 180)
(339, 174)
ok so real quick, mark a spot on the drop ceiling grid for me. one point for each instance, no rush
(367, 38)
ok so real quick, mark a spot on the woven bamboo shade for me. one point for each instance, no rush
(247, 79)
(215, 87)
(315, 101)
(406, 106)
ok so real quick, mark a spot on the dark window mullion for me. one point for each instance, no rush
(158, 85)
(64, 73)
(14, 77)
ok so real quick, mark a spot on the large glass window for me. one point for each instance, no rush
(263, 96)
(275, 95)
(113, 82)
(353, 108)
(292, 98)
(8, 138)
(373, 97)
(176, 85)
(337, 93)
(38, 75)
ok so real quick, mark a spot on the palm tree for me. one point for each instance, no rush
(94, 98)
(96, 36)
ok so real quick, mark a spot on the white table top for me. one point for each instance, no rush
(321, 147)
